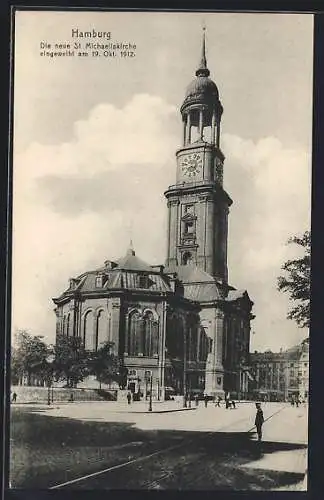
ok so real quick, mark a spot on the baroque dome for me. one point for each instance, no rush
(201, 90)
(202, 87)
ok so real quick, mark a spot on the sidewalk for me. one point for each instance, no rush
(287, 431)
(143, 407)
(114, 406)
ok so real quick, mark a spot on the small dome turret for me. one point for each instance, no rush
(201, 106)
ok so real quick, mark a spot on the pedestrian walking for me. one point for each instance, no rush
(129, 398)
(206, 400)
(197, 399)
(233, 404)
(14, 398)
(218, 401)
(259, 419)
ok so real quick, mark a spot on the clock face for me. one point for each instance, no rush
(191, 164)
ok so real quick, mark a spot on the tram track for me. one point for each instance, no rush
(155, 483)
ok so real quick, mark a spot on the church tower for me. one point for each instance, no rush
(198, 206)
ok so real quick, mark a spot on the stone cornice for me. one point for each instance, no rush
(172, 203)
(201, 146)
(202, 188)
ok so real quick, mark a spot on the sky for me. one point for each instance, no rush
(95, 141)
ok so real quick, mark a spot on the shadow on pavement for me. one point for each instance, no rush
(48, 450)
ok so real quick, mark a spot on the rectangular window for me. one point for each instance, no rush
(99, 281)
(189, 227)
(143, 281)
(132, 373)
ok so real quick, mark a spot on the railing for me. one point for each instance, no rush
(193, 184)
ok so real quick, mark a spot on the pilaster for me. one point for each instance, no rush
(173, 206)
(214, 375)
(115, 323)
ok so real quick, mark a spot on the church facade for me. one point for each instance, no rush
(182, 324)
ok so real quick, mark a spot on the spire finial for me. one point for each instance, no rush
(202, 69)
(131, 250)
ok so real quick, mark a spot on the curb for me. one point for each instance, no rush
(59, 405)
(157, 411)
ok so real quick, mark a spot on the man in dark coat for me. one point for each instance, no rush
(259, 419)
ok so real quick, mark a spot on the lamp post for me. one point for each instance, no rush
(184, 369)
(189, 391)
(151, 388)
(50, 358)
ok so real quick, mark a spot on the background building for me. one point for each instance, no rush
(278, 376)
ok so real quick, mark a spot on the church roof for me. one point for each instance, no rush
(125, 273)
(190, 274)
(130, 262)
(198, 285)
(202, 292)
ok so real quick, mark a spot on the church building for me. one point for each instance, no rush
(182, 324)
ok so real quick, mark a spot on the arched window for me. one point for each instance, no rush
(150, 335)
(189, 343)
(101, 330)
(155, 338)
(109, 333)
(171, 333)
(88, 331)
(194, 343)
(179, 333)
(147, 334)
(68, 325)
(187, 259)
(63, 326)
(135, 333)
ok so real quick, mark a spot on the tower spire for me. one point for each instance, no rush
(131, 250)
(202, 69)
